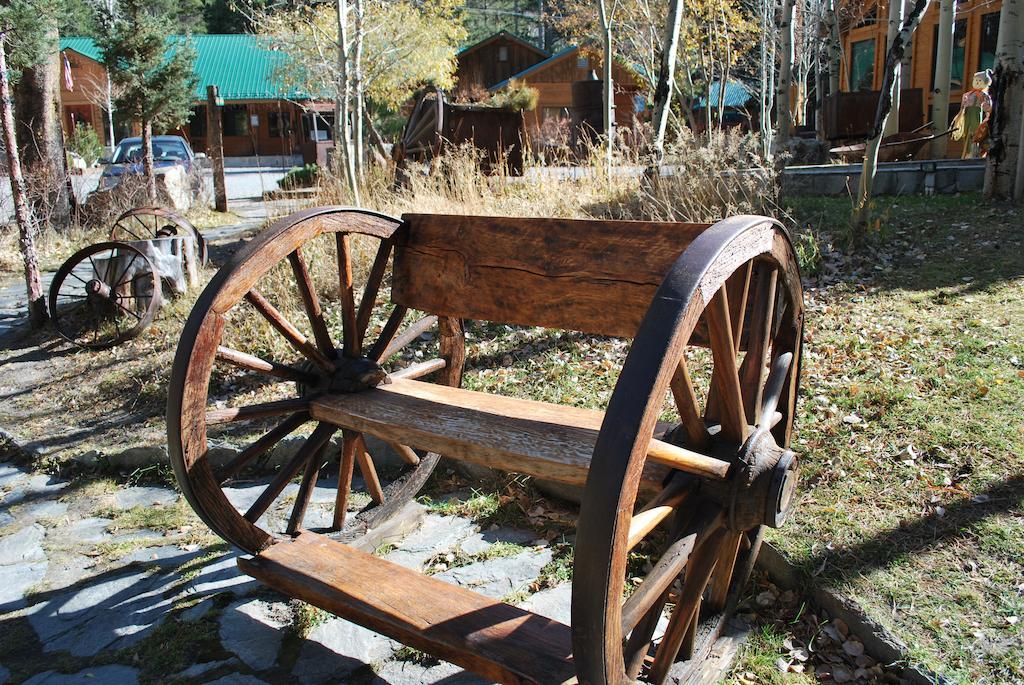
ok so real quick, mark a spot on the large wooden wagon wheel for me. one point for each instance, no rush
(104, 294)
(424, 131)
(147, 223)
(283, 322)
(736, 288)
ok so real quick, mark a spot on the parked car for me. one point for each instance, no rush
(168, 151)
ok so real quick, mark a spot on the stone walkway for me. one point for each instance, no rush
(88, 597)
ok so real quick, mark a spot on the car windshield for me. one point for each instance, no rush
(131, 152)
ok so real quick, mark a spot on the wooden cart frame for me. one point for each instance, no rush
(709, 480)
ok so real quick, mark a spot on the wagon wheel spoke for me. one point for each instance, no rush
(262, 445)
(373, 282)
(699, 567)
(256, 411)
(309, 450)
(753, 368)
(350, 340)
(311, 303)
(124, 227)
(387, 334)
(773, 389)
(687, 405)
(737, 288)
(349, 446)
(721, 582)
(388, 346)
(309, 478)
(369, 471)
(725, 378)
(288, 330)
(250, 362)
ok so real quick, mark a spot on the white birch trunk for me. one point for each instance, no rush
(1007, 104)
(360, 95)
(783, 113)
(862, 211)
(666, 77)
(892, 122)
(943, 74)
(342, 106)
(608, 120)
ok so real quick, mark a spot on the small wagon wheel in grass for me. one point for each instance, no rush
(294, 315)
(146, 223)
(104, 294)
(737, 290)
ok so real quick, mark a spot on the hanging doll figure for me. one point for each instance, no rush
(971, 122)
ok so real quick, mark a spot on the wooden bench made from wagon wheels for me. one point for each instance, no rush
(708, 480)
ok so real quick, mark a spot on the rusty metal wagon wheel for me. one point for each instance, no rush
(104, 294)
(146, 223)
(421, 139)
(251, 323)
(737, 290)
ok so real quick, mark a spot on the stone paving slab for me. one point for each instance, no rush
(79, 607)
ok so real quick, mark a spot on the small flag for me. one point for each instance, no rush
(69, 83)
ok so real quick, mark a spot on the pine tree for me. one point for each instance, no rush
(154, 75)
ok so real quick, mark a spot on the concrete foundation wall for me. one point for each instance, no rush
(944, 176)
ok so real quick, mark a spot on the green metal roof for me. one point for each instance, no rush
(242, 66)
(737, 95)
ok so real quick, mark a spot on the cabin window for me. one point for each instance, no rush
(502, 53)
(956, 74)
(235, 120)
(197, 124)
(987, 41)
(279, 124)
(862, 65)
(582, 63)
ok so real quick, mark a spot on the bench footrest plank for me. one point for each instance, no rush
(494, 639)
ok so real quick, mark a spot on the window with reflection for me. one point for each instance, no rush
(862, 65)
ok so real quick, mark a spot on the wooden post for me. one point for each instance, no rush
(943, 73)
(22, 213)
(215, 147)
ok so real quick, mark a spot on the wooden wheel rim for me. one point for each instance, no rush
(620, 450)
(124, 228)
(143, 320)
(194, 360)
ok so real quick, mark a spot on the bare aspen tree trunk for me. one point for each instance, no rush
(358, 88)
(666, 77)
(833, 48)
(767, 88)
(608, 119)
(943, 74)
(342, 107)
(1007, 104)
(783, 113)
(22, 213)
(892, 122)
(147, 160)
(900, 43)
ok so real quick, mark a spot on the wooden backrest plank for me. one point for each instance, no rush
(593, 276)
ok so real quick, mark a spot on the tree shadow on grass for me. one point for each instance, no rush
(920, 534)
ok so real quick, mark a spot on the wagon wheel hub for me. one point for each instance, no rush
(762, 483)
(350, 375)
(97, 289)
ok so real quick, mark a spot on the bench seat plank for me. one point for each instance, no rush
(496, 640)
(545, 440)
